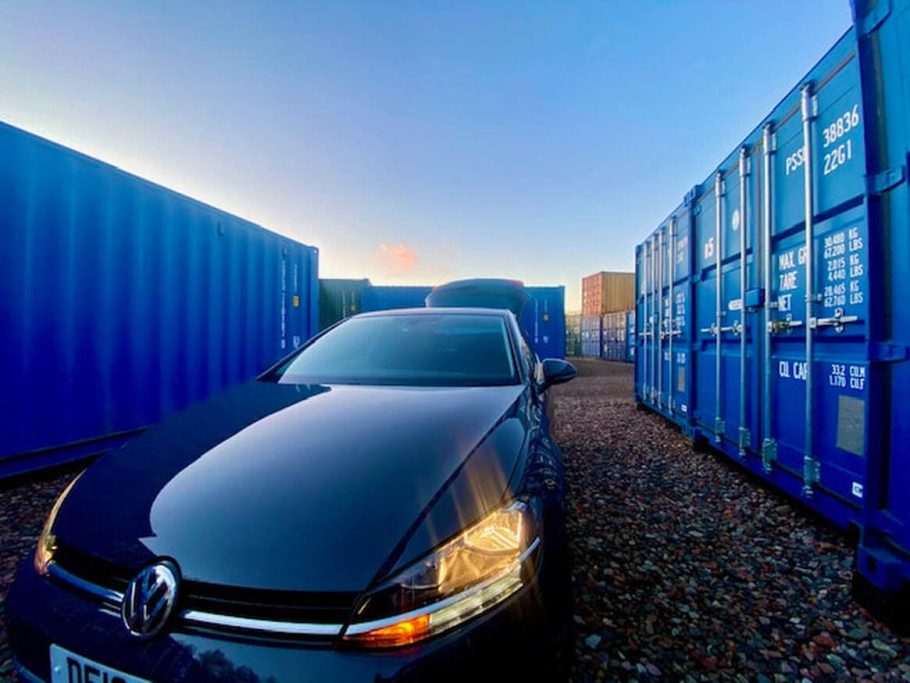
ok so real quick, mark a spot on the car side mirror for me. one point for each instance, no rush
(557, 371)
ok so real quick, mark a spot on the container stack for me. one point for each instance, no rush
(607, 292)
(606, 299)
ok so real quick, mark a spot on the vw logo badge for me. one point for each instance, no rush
(149, 599)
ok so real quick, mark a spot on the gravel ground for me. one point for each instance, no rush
(685, 569)
(23, 509)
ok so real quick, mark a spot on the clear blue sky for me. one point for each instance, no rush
(415, 142)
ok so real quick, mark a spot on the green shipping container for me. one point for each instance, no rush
(339, 299)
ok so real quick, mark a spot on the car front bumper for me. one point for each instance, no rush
(510, 639)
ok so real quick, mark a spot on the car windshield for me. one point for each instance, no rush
(425, 349)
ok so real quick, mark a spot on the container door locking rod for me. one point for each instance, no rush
(810, 464)
(769, 445)
(718, 310)
(744, 436)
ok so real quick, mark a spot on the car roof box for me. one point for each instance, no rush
(480, 293)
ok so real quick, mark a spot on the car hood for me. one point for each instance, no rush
(291, 487)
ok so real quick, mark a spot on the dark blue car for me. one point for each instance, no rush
(384, 504)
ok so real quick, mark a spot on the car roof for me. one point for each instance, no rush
(499, 312)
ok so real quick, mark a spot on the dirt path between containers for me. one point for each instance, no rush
(684, 568)
(687, 569)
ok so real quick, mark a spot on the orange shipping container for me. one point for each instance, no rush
(607, 292)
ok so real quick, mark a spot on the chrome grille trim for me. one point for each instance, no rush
(110, 597)
(113, 599)
(260, 625)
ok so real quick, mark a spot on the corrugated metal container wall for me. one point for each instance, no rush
(591, 336)
(607, 292)
(122, 301)
(615, 328)
(339, 299)
(769, 313)
(387, 297)
(573, 334)
(544, 321)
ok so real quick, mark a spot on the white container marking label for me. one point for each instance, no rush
(735, 305)
(837, 155)
(844, 268)
(857, 489)
(682, 249)
(794, 370)
(845, 376)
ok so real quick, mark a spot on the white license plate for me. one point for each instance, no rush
(68, 667)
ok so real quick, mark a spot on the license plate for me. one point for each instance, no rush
(68, 667)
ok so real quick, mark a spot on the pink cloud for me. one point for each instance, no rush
(400, 259)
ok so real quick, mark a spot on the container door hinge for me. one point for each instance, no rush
(870, 21)
(745, 438)
(886, 180)
(768, 454)
(719, 428)
(811, 472)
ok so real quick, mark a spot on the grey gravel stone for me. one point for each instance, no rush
(593, 641)
(708, 575)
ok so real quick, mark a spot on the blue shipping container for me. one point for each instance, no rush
(121, 302)
(386, 297)
(614, 344)
(544, 321)
(591, 336)
(770, 318)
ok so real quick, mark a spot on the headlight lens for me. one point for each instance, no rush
(477, 569)
(47, 542)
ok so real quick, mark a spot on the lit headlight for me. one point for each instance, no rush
(47, 542)
(471, 573)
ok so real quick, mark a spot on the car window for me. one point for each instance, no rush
(417, 349)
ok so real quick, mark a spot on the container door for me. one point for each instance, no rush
(650, 330)
(678, 328)
(640, 349)
(708, 311)
(817, 331)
